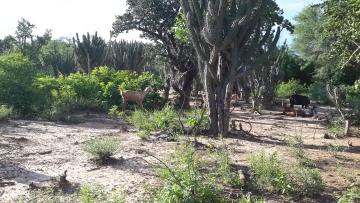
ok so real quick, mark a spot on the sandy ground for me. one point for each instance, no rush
(34, 151)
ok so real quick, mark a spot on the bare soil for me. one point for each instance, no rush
(37, 152)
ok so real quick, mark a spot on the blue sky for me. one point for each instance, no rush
(66, 17)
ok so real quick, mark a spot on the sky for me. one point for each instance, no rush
(68, 17)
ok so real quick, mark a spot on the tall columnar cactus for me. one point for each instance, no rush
(226, 34)
(64, 64)
(264, 82)
(90, 52)
(128, 55)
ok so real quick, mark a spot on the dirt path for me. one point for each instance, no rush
(39, 151)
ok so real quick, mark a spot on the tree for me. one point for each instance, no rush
(156, 19)
(226, 34)
(298, 69)
(7, 44)
(342, 23)
(23, 33)
(315, 46)
(90, 52)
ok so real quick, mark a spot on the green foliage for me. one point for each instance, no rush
(88, 193)
(109, 81)
(198, 117)
(180, 29)
(248, 199)
(297, 145)
(318, 92)
(95, 193)
(269, 173)
(6, 112)
(46, 196)
(183, 182)
(273, 174)
(343, 15)
(224, 168)
(17, 75)
(353, 97)
(353, 195)
(102, 148)
(286, 89)
(298, 69)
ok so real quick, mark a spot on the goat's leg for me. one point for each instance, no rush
(124, 106)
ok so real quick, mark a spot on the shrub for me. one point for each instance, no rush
(269, 173)
(224, 168)
(17, 75)
(350, 197)
(318, 92)
(273, 174)
(5, 112)
(183, 182)
(102, 148)
(297, 145)
(95, 193)
(290, 88)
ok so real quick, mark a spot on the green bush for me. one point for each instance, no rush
(224, 168)
(17, 76)
(102, 148)
(353, 97)
(350, 197)
(95, 193)
(273, 174)
(6, 112)
(318, 92)
(183, 182)
(269, 173)
(296, 145)
(109, 80)
(286, 89)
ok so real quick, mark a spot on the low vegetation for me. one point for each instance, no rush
(102, 148)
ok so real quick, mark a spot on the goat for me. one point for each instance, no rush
(134, 96)
(292, 111)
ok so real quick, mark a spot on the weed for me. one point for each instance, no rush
(352, 195)
(102, 148)
(46, 196)
(224, 169)
(268, 173)
(5, 112)
(144, 134)
(95, 193)
(297, 146)
(249, 199)
(334, 148)
(271, 173)
(183, 181)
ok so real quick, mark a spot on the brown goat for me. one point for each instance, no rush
(292, 111)
(134, 96)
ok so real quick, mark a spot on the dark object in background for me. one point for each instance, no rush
(295, 99)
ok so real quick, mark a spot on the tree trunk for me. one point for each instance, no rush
(167, 89)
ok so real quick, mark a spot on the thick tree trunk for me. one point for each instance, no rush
(211, 102)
